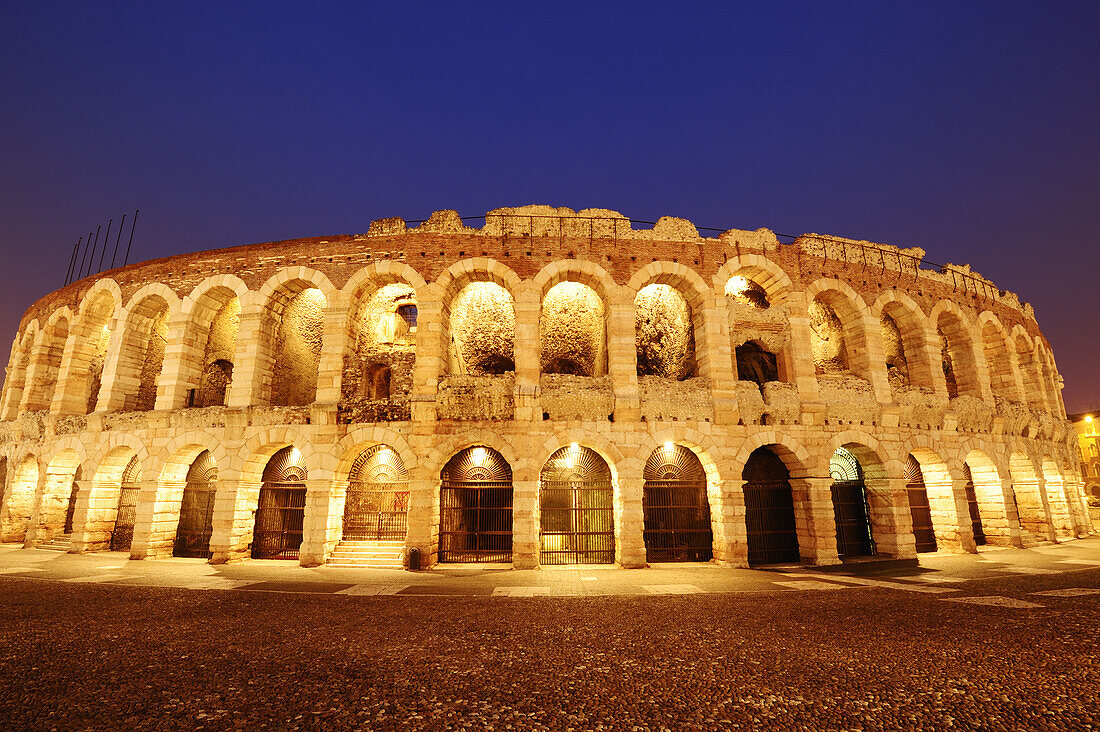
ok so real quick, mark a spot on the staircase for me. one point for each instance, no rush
(59, 543)
(368, 554)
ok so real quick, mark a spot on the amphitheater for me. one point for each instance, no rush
(554, 387)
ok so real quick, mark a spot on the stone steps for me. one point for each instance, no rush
(59, 543)
(369, 554)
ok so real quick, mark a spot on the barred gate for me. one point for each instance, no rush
(919, 507)
(769, 510)
(475, 507)
(123, 534)
(197, 509)
(675, 508)
(280, 514)
(377, 502)
(577, 501)
(850, 508)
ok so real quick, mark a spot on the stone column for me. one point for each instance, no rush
(334, 344)
(252, 373)
(94, 517)
(963, 524)
(121, 373)
(717, 361)
(891, 519)
(872, 361)
(158, 515)
(527, 353)
(322, 495)
(234, 517)
(622, 356)
(182, 368)
(815, 520)
(430, 354)
(731, 540)
(423, 516)
(526, 541)
(629, 519)
(800, 360)
(70, 395)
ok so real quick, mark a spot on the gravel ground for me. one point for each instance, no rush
(111, 657)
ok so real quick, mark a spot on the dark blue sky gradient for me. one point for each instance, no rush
(969, 132)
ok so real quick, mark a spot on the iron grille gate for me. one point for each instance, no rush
(123, 535)
(279, 520)
(578, 523)
(919, 507)
(677, 521)
(853, 529)
(196, 521)
(376, 511)
(769, 522)
(475, 521)
(972, 504)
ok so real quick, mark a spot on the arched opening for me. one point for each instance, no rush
(48, 366)
(381, 351)
(744, 291)
(572, 329)
(57, 503)
(18, 382)
(756, 364)
(483, 331)
(280, 515)
(377, 502)
(973, 508)
(675, 507)
(851, 508)
(1058, 501)
(297, 347)
(122, 535)
(769, 510)
(223, 308)
(919, 507)
(827, 340)
(19, 500)
(475, 512)
(142, 354)
(577, 508)
(1028, 498)
(196, 519)
(1033, 390)
(91, 351)
(1002, 380)
(989, 497)
(957, 356)
(664, 334)
(897, 365)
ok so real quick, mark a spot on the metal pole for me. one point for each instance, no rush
(117, 237)
(91, 259)
(72, 261)
(106, 238)
(132, 225)
(83, 259)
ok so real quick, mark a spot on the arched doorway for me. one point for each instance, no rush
(377, 503)
(972, 505)
(674, 504)
(769, 510)
(919, 507)
(577, 508)
(126, 515)
(280, 514)
(197, 509)
(475, 507)
(850, 507)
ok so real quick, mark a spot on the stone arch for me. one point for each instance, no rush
(915, 368)
(989, 493)
(439, 456)
(106, 491)
(19, 495)
(957, 343)
(89, 341)
(844, 350)
(292, 315)
(1027, 493)
(55, 501)
(1058, 501)
(142, 347)
(574, 318)
(575, 270)
(1029, 372)
(693, 289)
(939, 484)
(1049, 375)
(888, 530)
(357, 440)
(759, 269)
(799, 461)
(483, 279)
(207, 351)
(377, 274)
(253, 456)
(46, 362)
(1004, 381)
(16, 384)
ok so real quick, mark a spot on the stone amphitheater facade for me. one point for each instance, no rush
(481, 380)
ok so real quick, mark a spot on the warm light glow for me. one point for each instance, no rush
(295, 456)
(668, 446)
(478, 455)
(1088, 417)
(737, 285)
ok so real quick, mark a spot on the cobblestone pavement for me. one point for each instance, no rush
(1006, 644)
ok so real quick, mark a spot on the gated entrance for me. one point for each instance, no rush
(377, 503)
(578, 524)
(281, 511)
(675, 507)
(769, 510)
(852, 514)
(919, 507)
(972, 504)
(123, 535)
(475, 507)
(197, 509)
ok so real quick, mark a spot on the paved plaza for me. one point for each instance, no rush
(1006, 639)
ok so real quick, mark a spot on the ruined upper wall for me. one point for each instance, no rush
(529, 237)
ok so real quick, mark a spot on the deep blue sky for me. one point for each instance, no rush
(970, 132)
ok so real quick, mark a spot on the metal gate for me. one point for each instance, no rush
(919, 507)
(852, 514)
(197, 509)
(675, 507)
(972, 504)
(578, 518)
(123, 534)
(769, 510)
(280, 514)
(377, 503)
(475, 507)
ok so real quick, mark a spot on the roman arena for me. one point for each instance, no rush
(552, 387)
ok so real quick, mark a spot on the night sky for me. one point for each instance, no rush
(972, 132)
